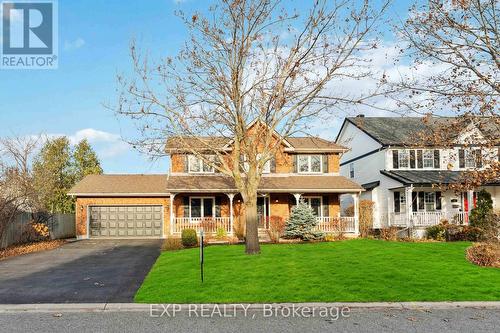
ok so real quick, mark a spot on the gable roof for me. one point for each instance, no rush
(403, 130)
(121, 185)
(294, 144)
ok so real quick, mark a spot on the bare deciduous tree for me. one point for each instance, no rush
(249, 62)
(460, 42)
(17, 191)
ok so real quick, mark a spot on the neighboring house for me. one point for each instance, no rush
(304, 168)
(405, 181)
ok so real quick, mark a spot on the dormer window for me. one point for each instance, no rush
(198, 165)
(309, 163)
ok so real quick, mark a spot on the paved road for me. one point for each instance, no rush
(89, 271)
(360, 320)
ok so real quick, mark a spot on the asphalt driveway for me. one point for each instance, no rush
(89, 271)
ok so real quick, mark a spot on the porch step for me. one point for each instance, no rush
(264, 236)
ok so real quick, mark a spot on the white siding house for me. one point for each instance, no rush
(404, 181)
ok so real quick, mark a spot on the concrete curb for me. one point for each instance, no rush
(135, 307)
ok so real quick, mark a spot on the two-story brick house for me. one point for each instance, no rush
(304, 168)
(407, 182)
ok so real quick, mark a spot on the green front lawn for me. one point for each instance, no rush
(348, 271)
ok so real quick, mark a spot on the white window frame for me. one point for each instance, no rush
(265, 169)
(309, 163)
(267, 165)
(202, 208)
(401, 152)
(307, 200)
(470, 155)
(201, 164)
(402, 201)
(424, 158)
(428, 195)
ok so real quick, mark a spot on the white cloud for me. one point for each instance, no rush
(73, 45)
(106, 144)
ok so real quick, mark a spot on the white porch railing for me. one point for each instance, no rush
(207, 224)
(425, 219)
(336, 224)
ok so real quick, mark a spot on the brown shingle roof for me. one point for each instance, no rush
(303, 143)
(121, 185)
(201, 142)
(299, 144)
(162, 185)
(309, 183)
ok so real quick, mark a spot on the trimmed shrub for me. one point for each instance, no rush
(189, 238)
(484, 206)
(436, 232)
(484, 254)
(484, 218)
(301, 224)
(276, 228)
(389, 234)
(220, 233)
(172, 244)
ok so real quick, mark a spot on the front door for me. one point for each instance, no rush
(263, 212)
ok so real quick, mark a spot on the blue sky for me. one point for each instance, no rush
(93, 47)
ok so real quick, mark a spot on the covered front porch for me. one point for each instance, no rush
(223, 212)
(413, 206)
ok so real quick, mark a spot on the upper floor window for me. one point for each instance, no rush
(198, 165)
(470, 158)
(416, 159)
(265, 169)
(351, 170)
(404, 158)
(428, 157)
(309, 163)
(267, 165)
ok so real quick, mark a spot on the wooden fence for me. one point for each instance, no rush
(60, 226)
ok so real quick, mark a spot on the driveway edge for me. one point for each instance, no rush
(133, 307)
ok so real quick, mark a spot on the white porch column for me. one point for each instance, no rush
(297, 197)
(355, 198)
(172, 214)
(470, 200)
(231, 218)
(409, 205)
(389, 210)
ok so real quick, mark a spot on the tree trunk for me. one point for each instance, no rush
(252, 224)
